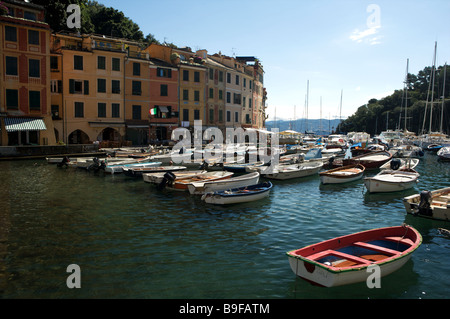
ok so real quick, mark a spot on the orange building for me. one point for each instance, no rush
(25, 76)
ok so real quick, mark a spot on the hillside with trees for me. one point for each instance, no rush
(389, 112)
(95, 18)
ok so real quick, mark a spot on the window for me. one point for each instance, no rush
(250, 84)
(54, 63)
(185, 115)
(243, 102)
(115, 110)
(101, 63)
(211, 115)
(79, 109)
(101, 109)
(115, 86)
(245, 82)
(196, 76)
(34, 68)
(236, 116)
(101, 85)
(33, 37)
(220, 115)
(11, 65)
(136, 88)
(115, 64)
(211, 93)
(185, 95)
(55, 86)
(77, 62)
(35, 100)
(247, 119)
(136, 69)
(228, 116)
(220, 94)
(55, 112)
(236, 98)
(228, 78)
(220, 76)
(164, 90)
(185, 75)
(197, 96)
(30, 15)
(237, 79)
(76, 87)
(10, 34)
(196, 115)
(164, 73)
(228, 97)
(12, 99)
(211, 74)
(249, 103)
(136, 112)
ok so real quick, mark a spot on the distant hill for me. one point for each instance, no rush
(319, 127)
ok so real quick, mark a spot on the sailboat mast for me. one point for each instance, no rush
(443, 97)
(406, 92)
(307, 104)
(432, 86)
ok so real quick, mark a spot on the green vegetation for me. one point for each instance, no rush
(389, 112)
(95, 18)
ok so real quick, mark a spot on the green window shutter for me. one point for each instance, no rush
(86, 87)
(71, 86)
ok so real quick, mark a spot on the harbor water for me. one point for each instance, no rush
(132, 241)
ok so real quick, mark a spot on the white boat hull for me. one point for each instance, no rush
(439, 208)
(324, 277)
(390, 183)
(335, 180)
(294, 171)
(235, 182)
(220, 200)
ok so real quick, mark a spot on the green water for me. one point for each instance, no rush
(132, 241)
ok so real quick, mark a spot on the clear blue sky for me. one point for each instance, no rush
(360, 47)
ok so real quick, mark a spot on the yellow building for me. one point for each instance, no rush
(103, 89)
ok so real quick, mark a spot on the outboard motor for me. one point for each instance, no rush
(168, 179)
(425, 203)
(97, 165)
(395, 164)
(204, 166)
(64, 162)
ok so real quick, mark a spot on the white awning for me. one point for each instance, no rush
(13, 124)
(163, 109)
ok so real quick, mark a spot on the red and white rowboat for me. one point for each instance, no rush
(345, 260)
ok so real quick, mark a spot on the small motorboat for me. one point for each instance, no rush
(181, 184)
(372, 160)
(139, 169)
(284, 172)
(345, 260)
(444, 153)
(343, 174)
(200, 188)
(392, 181)
(239, 195)
(400, 163)
(157, 177)
(241, 167)
(430, 204)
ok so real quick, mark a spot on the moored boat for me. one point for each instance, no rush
(178, 172)
(182, 183)
(138, 171)
(391, 181)
(371, 160)
(400, 163)
(199, 188)
(239, 195)
(429, 204)
(284, 172)
(241, 167)
(346, 259)
(444, 153)
(343, 174)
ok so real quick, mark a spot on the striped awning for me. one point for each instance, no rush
(15, 124)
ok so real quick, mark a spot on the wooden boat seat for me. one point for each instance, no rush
(376, 248)
(329, 252)
(401, 240)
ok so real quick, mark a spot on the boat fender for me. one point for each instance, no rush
(395, 164)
